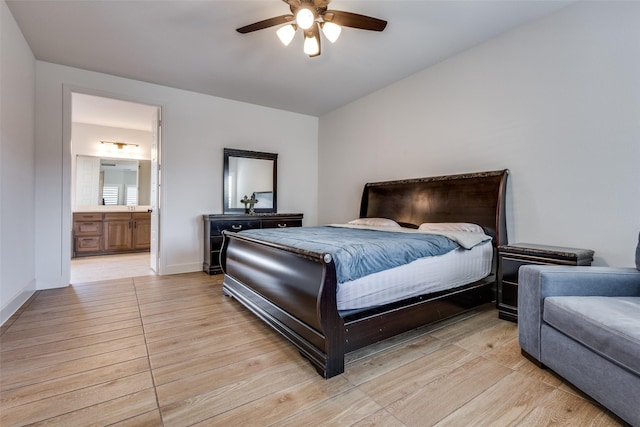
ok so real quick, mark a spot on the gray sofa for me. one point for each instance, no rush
(584, 324)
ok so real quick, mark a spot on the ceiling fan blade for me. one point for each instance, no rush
(354, 20)
(315, 3)
(293, 3)
(278, 20)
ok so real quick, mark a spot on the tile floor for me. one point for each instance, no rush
(107, 267)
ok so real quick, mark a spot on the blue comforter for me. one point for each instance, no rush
(358, 252)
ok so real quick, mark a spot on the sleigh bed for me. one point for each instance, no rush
(294, 290)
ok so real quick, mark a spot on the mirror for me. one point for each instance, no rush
(111, 181)
(249, 173)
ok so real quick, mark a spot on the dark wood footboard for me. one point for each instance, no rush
(293, 291)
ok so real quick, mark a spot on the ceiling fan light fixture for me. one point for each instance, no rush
(305, 18)
(311, 46)
(331, 31)
(286, 34)
(312, 16)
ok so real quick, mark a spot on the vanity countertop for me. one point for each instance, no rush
(118, 208)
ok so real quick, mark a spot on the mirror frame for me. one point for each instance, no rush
(232, 152)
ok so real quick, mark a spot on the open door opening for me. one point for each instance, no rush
(115, 173)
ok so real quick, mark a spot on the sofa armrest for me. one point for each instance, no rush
(536, 282)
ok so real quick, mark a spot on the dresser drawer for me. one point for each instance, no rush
(218, 227)
(281, 223)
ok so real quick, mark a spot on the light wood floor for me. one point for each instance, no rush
(173, 351)
(104, 267)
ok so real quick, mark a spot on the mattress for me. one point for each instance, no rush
(357, 251)
(425, 275)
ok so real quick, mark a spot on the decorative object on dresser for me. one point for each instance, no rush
(108, 233)
(214, 225)
(512, 257)
(295, 290)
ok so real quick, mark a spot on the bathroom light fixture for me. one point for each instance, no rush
(117, 144)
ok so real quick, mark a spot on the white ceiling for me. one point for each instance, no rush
(193, 45)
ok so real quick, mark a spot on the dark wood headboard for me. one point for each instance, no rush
(477, 198)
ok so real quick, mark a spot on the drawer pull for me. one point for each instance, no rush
(236, 227)
(282, 225)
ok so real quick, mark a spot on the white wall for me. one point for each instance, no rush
(85, 140)
(196, 128)
(557, 102)
(17, 148)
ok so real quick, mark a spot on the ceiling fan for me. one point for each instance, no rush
(311, 16)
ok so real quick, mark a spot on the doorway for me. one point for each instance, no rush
(109, 267)
(109, 133)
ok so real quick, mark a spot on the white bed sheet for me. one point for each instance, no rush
(425, 275)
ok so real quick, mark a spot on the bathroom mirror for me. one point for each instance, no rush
(112, 181)
(249, 173)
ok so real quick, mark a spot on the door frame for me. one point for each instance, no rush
(67, 213)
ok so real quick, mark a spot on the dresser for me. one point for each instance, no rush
(512, 257)
(214, 225)
(102, 233)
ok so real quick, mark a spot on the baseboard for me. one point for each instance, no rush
(16, 302)
(182, 268)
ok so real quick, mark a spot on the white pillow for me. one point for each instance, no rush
(375, 222)
(450, 226)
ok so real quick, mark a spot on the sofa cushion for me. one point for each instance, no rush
(638, 253)
(609, 326)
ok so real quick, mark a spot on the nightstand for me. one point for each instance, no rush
(512, 257)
